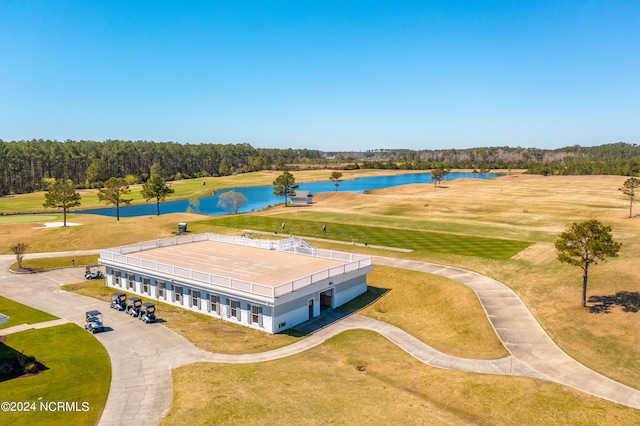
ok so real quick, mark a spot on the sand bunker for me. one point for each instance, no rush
(59, 224)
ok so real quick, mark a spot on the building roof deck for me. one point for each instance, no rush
(264, 268)
(267, 267)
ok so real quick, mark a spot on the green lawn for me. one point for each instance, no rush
(398, 219)
(20, 314)
(44, 263)
(28, 218)
(78, 372)
(433, 242)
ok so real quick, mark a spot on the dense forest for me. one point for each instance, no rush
(611, 159)
(27, 166)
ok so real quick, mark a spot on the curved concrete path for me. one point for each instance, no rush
(142, 355)
(523, 336)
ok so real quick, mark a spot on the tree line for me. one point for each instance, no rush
(620, 158)
(27, 166)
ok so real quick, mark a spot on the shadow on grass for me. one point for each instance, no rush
(372, 295)
(331, 316)
(628, 301)
(11, 368)
(295, 333)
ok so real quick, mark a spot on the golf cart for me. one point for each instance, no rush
(148, 312)
(119, 301)
(133, 306)
(93, 321)
(93, 272)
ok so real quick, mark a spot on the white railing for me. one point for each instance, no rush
(353, 263)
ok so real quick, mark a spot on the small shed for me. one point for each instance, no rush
(302, 198)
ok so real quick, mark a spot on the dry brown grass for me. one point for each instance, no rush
(608, 343)
(361, 378)
(513, 207)
(93, 232)
(441, 312)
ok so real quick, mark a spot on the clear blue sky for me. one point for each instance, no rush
(328, 75)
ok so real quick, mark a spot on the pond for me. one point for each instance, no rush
(260, 197)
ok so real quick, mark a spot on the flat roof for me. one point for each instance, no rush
(267, 267)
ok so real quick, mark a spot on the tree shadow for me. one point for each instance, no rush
(628, 301)
(14, 364)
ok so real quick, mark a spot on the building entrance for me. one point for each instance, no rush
(326, 300)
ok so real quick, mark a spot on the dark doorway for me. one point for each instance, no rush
(326, 300)
(310, 308)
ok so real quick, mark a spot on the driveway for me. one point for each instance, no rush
(142, 355)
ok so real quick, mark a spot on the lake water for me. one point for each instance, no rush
(259, 197)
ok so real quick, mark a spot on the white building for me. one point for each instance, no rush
(302, 198)
(263, 284)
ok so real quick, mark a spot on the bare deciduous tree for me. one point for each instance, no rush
(19, 250)
(232, 201)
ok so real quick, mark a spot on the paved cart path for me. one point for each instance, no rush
(142, 355)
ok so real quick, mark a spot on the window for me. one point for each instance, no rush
(129, 279)
(194, 298)
(235, 309)
(145, 285)
(177, 294)
(116, 274)
(214, 305)
(256, 314)
(161, 287)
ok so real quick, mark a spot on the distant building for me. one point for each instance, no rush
(302, 198)
(263, 284)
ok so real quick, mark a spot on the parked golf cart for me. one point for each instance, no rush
(133, 306)
(119, 301)
(148, 312)
(93, 272)
(93, 321)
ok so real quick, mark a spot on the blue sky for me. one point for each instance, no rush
(328, 75)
